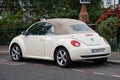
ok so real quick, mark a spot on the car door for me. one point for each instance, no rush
(50, 40)
(35, 40)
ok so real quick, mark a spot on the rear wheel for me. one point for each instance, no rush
(62, 57)
(100, 61)
(16, 53)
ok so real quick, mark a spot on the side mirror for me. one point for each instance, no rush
(24, 33)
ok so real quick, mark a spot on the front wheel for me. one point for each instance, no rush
(62, 57)
(100, 61)
(16, 53)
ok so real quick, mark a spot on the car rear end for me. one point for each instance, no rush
(90, 51)
(87, 44)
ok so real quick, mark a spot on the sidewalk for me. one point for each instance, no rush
(3, 48)
(114, 58)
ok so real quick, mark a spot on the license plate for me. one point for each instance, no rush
(98, 50)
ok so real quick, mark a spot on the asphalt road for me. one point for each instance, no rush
(47, 70)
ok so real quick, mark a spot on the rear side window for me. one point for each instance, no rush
(49, 29)
(80, 27)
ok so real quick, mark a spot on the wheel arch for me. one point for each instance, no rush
(60, 46)
(18, 42)
(65, 43)
(13, 45)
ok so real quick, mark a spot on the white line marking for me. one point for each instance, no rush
(78, 70)
(116, 61)
(99, 73)
(7, 62)
(116, 76)
(4, 51)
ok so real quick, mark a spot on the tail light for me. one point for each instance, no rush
(105, 41)
(75, 43)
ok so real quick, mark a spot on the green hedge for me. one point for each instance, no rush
(12, 25)
(108, 28)
(14, 21)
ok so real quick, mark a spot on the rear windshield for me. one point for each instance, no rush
(80, 27)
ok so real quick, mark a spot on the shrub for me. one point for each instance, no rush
(108, 29)
(12, 25)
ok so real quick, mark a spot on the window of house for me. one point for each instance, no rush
(108, 1)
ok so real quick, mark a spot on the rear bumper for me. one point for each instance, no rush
(82, 53)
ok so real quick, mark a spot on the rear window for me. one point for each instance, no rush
(80, 27)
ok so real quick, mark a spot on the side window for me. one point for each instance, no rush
(34, 29)
(49, 29)
(42, 28)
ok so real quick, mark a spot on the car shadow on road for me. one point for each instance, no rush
(87, 64)
(39, 61)
(76, 64)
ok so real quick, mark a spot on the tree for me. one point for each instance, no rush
(109, 26)
(54, 8)
(95, 9)
(29, 11)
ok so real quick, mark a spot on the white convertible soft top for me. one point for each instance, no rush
(62, 25)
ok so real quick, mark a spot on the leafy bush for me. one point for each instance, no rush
(108, 29)
(12, 25)
(16, 17)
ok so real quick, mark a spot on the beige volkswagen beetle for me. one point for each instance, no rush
(61, 40)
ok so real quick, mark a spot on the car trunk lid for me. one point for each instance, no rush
(88, 38)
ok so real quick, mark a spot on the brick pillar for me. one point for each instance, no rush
(84, 16)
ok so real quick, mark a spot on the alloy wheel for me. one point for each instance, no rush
(62, 57)
(16, 53)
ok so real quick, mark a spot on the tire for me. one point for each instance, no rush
(100, 61)
(16, 53)
(62, 58)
